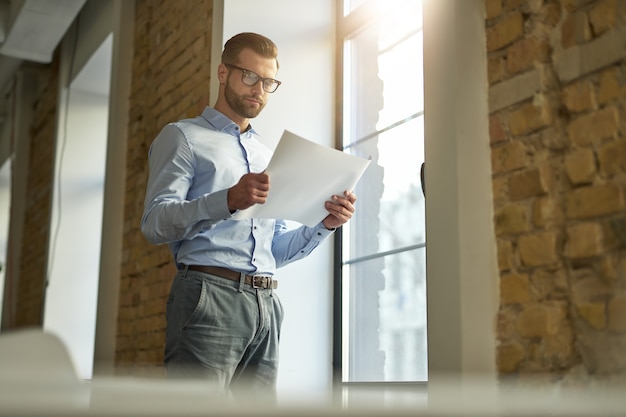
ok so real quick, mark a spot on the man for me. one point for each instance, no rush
(223, 317)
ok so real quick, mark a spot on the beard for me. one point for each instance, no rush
(240, 105)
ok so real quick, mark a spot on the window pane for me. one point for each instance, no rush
(384, 80)
(401, 18)
(401, 68)
(391, 210)
(386, 321)
(352, 5)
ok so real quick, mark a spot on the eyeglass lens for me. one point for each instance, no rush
(250, 78)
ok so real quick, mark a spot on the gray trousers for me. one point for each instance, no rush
(223, 332)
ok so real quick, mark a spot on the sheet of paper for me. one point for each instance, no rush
(303, 176)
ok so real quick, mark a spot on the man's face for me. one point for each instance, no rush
(248, 101)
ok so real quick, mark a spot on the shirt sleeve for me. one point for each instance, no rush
(291, 245)
(168, 216)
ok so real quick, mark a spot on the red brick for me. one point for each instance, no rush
(580, 166)
(522, 54)
(612, 158)
(509, 356)
(546, 211)
(529, 183)
(575, 30)
(514, 289)
(593, 313)
(540, 320)
(493, 8)
(538, 249)
(617, 313)
(530, 117)
(594, 201)
(512, 219)
(603, 16)
(611, 86)
(594, 127)
(584, 240)
(496, 131)
(496, 69)
(505, 255)
(508, 157)
(579, 97)
(505, 31)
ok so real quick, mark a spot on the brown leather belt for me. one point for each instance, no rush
(255, 281)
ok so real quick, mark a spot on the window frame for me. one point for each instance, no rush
(347, 27)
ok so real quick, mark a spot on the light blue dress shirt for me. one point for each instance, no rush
(192, 164)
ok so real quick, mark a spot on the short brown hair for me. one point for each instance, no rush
(258, 43)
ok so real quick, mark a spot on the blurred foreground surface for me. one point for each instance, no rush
(37, 379)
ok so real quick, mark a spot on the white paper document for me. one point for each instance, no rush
(303, 176)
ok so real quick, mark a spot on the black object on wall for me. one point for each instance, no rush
(422, 177)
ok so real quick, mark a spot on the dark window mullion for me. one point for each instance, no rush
(386, 253)
(383, 130)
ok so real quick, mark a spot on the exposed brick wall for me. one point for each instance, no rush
(38, 205)
(557, 97)
(170, 80)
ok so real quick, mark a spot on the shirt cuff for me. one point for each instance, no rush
(217, 205)
(320, 232)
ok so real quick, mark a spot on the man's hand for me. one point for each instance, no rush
(251, 189)
(340, 209)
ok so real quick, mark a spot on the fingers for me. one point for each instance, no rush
(340, 210)
(252, 188)
(350, 196)
(347, 202)
(256, 185)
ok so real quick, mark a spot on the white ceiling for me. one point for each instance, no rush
(33, 28)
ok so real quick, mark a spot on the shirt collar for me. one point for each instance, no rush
(222, 123)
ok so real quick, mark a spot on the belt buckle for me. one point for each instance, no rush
(262, 280)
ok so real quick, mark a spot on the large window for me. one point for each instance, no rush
(383, 283)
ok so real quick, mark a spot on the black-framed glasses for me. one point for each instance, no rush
(251, 78)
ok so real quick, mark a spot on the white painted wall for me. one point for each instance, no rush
(305, 105)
